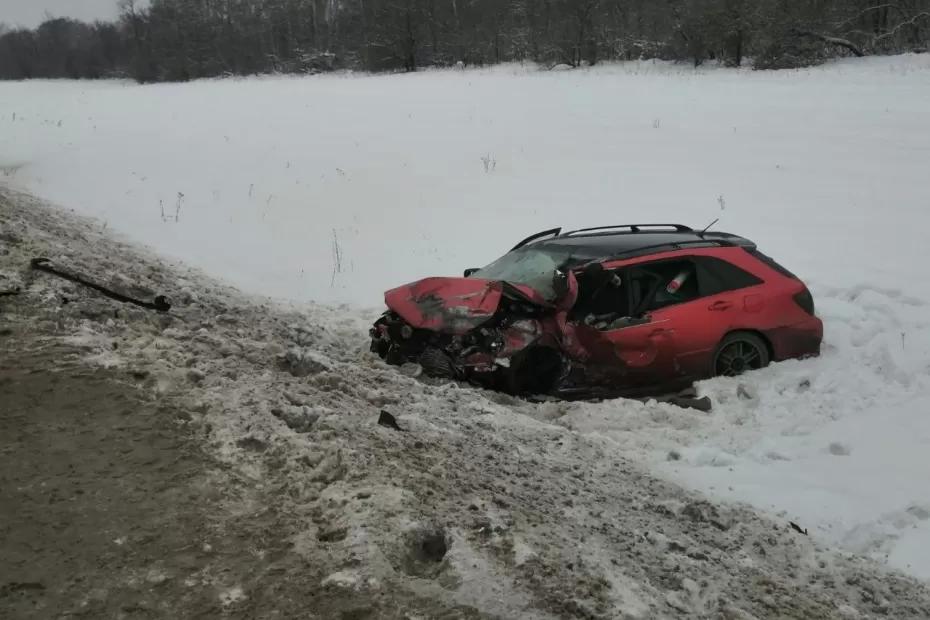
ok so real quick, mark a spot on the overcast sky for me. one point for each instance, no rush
(31, 13)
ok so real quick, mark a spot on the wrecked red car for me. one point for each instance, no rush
(609, 311)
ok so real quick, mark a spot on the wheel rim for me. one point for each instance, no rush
(738, 357)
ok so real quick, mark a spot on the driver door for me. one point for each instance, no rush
(637, 352)
(639, 355)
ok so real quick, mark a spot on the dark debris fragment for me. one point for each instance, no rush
(386, 419)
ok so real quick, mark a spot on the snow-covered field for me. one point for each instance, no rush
(332, 189)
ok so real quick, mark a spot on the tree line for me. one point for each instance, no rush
(176, 40)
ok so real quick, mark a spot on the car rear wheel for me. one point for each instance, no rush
(740, 352)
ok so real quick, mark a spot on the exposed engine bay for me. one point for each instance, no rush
(489, 354)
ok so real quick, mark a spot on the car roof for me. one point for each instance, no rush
(630, 240)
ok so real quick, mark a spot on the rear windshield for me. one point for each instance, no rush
(771, 262)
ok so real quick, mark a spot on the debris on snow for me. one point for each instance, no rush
(388, 420)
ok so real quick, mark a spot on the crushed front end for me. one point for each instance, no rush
(463, 329)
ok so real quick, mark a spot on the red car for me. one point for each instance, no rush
(610, 311)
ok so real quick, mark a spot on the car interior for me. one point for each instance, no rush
(613, 299)
(616, 298)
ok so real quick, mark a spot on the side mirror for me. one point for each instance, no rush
(470, 271)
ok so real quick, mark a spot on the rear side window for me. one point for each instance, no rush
(664, 283)
(669, 282)
(768, 260)
(718, 276)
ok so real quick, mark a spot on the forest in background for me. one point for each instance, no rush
(178, 40)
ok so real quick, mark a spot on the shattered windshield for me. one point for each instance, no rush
(535, 266)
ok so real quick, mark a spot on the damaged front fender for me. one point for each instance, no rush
(456, 305)
(486, 331)
(448, 305)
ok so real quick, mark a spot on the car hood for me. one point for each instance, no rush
(455, 305)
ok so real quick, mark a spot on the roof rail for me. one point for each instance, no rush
(633, 228)
(670, 247)
(536, 237)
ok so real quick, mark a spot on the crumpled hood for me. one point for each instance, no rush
(453, 305)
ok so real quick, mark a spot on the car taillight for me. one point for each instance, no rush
(806, 301)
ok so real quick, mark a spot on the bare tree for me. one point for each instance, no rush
(188, 39)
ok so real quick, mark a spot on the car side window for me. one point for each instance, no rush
(716, 276)
(601, 293)
(665, 283)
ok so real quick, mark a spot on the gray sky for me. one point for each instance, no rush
(31, 13)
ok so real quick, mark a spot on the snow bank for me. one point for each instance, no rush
(335, 188)
(476, 508)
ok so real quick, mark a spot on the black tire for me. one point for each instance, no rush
(393, 356)
(740, 352)
(437, 364)
(534, 372)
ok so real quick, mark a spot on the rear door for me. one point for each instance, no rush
(679, 309)
(712, 305)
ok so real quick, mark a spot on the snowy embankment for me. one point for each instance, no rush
(334, 188)
(470, 509)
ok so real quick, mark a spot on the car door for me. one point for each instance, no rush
(632, 352)
(719, 300)
(696, 327)
(629, 356)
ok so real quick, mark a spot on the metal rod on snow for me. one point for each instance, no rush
(160, 303)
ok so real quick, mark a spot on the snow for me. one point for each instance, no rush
(274, 175)
(838, 444)
(232, 596)
(334, 188)
(342, 579)
(474, 473)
